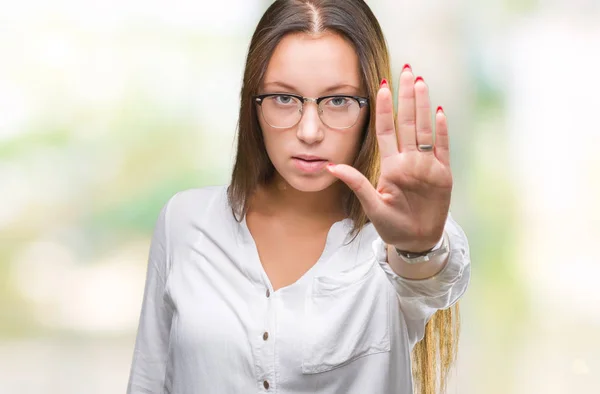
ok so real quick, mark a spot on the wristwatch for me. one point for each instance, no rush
(418, 258)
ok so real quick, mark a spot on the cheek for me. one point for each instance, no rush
(353, 141)
(345, 146)
(272, 140)
(356, 143)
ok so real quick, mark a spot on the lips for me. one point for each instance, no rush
(309, 158)
(309, 163)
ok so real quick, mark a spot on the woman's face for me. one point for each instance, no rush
(311, 66)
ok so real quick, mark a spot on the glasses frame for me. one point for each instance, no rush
(362, 102)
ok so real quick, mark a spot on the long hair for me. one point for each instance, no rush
(354, 21)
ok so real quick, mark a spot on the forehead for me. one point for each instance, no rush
(313, 63)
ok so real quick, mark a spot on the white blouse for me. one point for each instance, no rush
(211, 323)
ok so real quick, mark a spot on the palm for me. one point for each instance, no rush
(411, 202)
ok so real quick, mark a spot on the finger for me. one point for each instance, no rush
(442, 141)
(384, 122)
(360, 185)
(423, 112)
(406, 111)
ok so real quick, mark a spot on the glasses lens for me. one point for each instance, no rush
(339, 112)
(281, 111)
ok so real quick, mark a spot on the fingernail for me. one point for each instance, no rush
(384, 83)
(330, 166)
(440, 109)
(419, 79)
(406, 66)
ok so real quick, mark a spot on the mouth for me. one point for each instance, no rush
(309, 158)
(309, 164)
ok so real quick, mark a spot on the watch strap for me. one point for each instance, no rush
(422, 257)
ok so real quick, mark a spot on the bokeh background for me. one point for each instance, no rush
(109, 108)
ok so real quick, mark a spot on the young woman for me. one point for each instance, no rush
(301, 276)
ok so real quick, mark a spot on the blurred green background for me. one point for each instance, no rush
(109, 108)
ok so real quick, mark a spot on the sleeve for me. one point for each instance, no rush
(148, 367)
(419, 299)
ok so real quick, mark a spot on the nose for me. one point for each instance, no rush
(310, 126)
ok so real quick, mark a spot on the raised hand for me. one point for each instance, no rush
(411, 202)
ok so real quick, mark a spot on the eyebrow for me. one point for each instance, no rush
(330, 89)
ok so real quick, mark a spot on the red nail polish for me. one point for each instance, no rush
(407, 66)
(440, 109)
(384, 83)
(419, 79)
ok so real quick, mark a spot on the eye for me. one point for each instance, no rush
(338, 102)
(283, 100)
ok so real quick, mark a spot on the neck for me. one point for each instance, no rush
(279, 198)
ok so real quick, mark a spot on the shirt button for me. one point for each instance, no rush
(265, 336)
(266, 385)
(268, 293)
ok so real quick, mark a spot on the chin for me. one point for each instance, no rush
(310, 184)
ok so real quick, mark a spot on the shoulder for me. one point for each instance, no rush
(197, 204)
(196, 196)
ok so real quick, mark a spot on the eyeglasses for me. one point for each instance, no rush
(282, 111)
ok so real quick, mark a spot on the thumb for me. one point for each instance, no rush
(358, 183)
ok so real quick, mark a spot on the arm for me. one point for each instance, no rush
(421, 270)
(151, 346)
(409, 204)
(420, 298)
